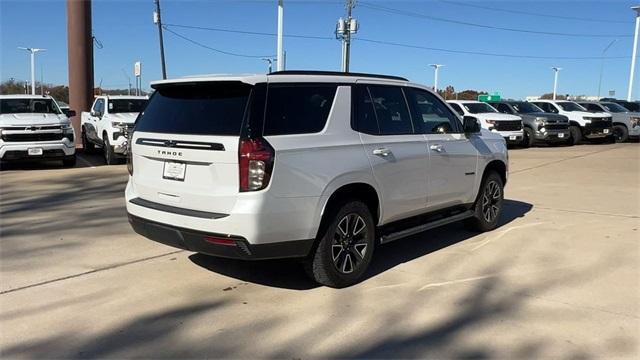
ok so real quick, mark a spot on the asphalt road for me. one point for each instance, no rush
(560, 277)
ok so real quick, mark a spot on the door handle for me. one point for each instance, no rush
(436, 147)
(382, 152)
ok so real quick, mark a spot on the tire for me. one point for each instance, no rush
(69, 161)
(341, 260)
(620, 133)
(87, 146)
(528, 138)
(488, 205)
(107, 150)
(575, 135)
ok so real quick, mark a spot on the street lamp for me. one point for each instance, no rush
(33, 52)
(602, 65)
(435, 76)
(555, 80)
(270, 62)
(635, 48)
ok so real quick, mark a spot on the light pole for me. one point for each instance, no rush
(344, 30)
(635, 48)
(270, 62)
(33, 52)
(555, 80)
(280, 46)
(128, 79)
(602, 65)
(435, 76)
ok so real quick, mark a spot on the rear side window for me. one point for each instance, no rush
(457, 108)
(215, 108)
(382, 110)
(298, 109)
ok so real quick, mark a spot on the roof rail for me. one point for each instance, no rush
(336, 73)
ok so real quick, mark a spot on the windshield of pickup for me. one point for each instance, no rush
(526, 108)
(614, 108)
(479, 108)
(126, 105)
(570, 106)
(28, 106)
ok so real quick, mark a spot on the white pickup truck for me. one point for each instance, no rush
(108, 124)
(32, 127)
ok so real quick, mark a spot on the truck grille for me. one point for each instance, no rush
(32, 137)
(511, 125)
(600, 123)
(564, 126)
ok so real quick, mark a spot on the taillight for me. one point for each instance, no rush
(255, 159)
(129, 155)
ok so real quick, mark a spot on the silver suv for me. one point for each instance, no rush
(315, 165)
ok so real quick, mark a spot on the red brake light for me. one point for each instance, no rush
(255, 160)
(219, 241)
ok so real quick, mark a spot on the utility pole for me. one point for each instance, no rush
(280, 46)
(435, 76)
(555, 80)
(41, 80)
(344, 29)
(128, 79)
(33, 52)
(635, 49)
(157, 19)
(602, 65)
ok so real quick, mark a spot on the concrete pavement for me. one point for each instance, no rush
(559, 278)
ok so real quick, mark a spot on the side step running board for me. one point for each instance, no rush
(424, 227)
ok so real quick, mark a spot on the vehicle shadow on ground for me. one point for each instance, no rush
(289, 273)
(83, 160)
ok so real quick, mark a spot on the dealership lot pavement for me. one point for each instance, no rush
(559, 278)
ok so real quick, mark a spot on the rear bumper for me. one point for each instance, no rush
(234, 247)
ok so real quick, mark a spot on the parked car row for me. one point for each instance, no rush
(35, 127)
(554, 121)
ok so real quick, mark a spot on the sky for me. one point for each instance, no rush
(127, 34)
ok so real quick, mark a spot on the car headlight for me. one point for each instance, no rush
(67, 128)
(118, 124)
(587, 119)
(491, 122)
(635, 121)
(540, 119)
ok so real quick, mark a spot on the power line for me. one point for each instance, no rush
(249, 32)
(429, 17)
(534, 14)
(391, 43)
(214, 49)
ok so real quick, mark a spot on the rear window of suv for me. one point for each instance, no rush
(298, 109)
(215, 108)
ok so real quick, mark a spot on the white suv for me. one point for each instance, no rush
(315, 165)
(507, 125)
(32, 127)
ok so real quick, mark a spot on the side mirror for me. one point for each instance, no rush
(96, 113)
(70, 113)
(470, 125)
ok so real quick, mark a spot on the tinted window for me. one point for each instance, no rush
(99, 106)
(365, 118)
(526, 108)
(614, 108)
(201, 109)
(591, 107)
(503, 108)
(22, 106)
(457, 108)
(570, 106)
(298, 109)
(391, 110)
(126, 105)
(479, 108)
(430, 115)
